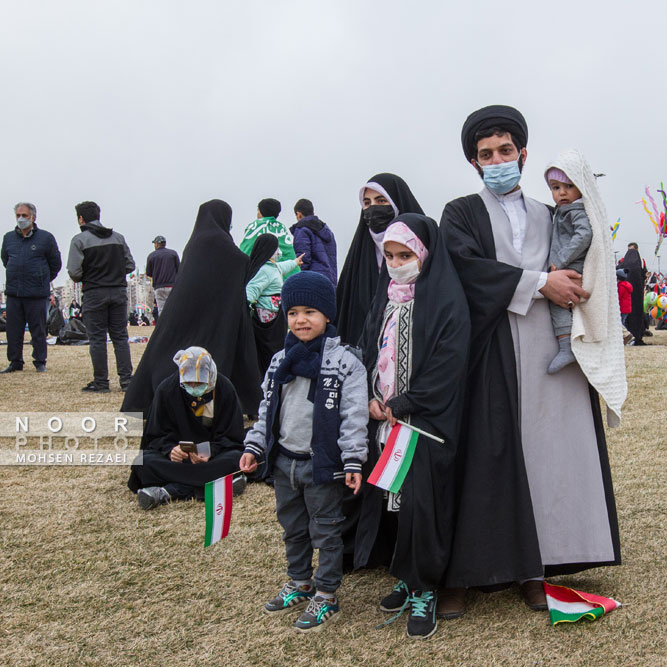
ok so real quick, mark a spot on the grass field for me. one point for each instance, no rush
(86, 577)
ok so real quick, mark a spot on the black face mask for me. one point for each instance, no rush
(378, 217)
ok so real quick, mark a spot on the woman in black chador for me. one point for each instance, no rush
(194, 405)
(382, 198)
(634, 323)
(208, 306)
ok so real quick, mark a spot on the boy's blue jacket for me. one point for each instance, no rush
(340, 415)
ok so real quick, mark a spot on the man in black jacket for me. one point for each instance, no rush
(99, 258)
(161, 267)
(32, 260)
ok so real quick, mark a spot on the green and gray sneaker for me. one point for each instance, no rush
(422, 622)
(396, 600)
(290, 597)
(320, 610)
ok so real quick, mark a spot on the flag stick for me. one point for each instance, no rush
(236, 472)
(418, 430)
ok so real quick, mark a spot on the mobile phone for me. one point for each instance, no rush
(188, 446)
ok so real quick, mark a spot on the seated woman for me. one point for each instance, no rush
(193, 405)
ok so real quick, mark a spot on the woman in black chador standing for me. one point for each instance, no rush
(382, 198)
(208, 306)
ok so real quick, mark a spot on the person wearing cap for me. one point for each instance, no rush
(268, 211)
(535, 495)
(195, 404)
(311, 435)
(162, 267)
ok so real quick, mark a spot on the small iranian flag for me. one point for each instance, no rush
(218, 497)
(569, 606)
(395, 460)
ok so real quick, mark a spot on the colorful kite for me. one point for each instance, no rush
(657, 218)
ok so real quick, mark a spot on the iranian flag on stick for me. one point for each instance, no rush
(395, 460)
(568, 606)
(218, 497)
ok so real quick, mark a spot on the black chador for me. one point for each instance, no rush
(632, 264)
(433, 344)
(206, 307)
(359, 277)
(173, 417)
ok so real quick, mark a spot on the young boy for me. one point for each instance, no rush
(570, 240)
(311, 435)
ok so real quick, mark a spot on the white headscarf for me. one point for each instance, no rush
(196, 365)
(597, 338)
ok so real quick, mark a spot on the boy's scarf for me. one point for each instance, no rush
(302, 359)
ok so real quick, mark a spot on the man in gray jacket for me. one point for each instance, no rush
(99, 258)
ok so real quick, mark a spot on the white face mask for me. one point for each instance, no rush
(405, 274)
(23, 223)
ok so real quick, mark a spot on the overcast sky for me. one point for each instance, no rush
(153, 107)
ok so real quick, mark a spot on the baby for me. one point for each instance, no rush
(570, 240)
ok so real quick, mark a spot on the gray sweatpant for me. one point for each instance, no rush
(311, 516)
(161, 295)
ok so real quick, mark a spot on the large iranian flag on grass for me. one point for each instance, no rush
(218, 497)
(568, 606)
(395, 460)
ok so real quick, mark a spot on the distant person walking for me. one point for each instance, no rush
(99, 259)
(32, 260)
(268, 211)
(315, 241)
(634, 270)
(162, 267)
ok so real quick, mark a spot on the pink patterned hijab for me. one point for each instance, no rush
(399, 232)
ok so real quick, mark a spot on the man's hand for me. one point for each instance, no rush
(564, 288)
(376, 410)
(248, 463)
(299, 259)
(195, 458)
(177, 455)
(353, 480)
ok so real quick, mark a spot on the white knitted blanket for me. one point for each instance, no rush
(597, 339)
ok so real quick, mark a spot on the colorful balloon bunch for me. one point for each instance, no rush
(657, 218)
(655, 303)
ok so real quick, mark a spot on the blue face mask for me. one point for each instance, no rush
(502, 178)
(196, 391)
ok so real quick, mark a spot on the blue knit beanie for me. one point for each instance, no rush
(310, 288)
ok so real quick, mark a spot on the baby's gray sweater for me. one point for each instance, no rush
(571, 236)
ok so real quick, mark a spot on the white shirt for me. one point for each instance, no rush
(515, 209)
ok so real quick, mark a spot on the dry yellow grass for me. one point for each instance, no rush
(86, 577)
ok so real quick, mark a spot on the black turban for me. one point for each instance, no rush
(496, 115)
(269, 208)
